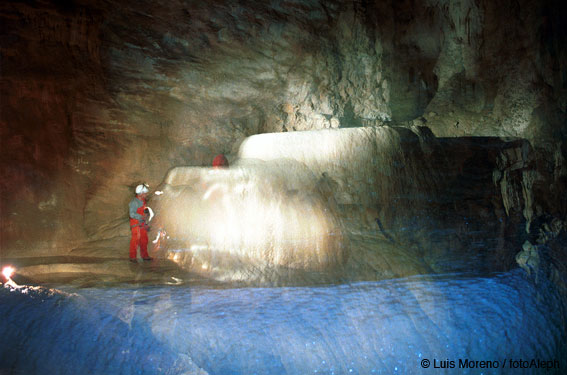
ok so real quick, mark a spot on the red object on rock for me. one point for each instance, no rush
(220, 161)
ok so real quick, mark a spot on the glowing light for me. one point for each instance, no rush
(8, 271)
(256, 214)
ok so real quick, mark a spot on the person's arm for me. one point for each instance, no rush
(133, 207)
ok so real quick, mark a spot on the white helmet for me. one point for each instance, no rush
(141, 189)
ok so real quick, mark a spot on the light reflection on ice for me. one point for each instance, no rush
(362, 328)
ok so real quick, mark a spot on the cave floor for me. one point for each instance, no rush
(89, 272)
(371, 258)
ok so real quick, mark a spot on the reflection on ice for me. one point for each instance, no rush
(363, 328)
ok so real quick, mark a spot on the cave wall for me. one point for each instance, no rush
(99, 96)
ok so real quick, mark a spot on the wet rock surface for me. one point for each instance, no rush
(87, 272)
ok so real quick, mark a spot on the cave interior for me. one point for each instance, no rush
(396, 187)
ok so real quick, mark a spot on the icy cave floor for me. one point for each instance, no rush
(372, 257)
(110, 316)
(381, 327)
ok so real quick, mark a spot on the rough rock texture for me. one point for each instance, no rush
(99, 96)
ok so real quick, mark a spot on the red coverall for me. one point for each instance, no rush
(139, 233)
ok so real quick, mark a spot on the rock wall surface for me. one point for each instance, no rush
(99, 96)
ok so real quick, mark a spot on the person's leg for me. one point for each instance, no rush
(134, 242)
(144, 243)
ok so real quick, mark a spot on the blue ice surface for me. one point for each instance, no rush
(383, 327)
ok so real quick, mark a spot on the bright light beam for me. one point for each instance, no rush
(8, 271)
